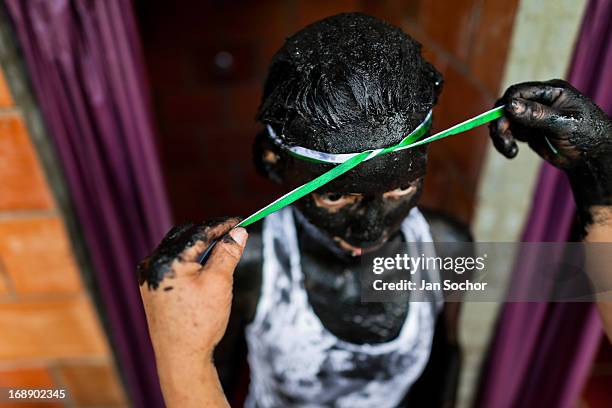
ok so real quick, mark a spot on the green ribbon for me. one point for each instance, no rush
(408, 142)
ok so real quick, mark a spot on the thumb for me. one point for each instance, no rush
(226, 254)
(531, 114)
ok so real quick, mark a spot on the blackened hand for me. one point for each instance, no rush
(187, 304)
(573, 124)
(181, 244)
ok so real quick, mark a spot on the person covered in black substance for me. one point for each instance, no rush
(345, 84)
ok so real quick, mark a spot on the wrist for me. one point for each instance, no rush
(592, 188)
(193, 385)
(175, 364)
(173, 372)
(600, 227)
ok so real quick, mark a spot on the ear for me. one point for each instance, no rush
(437, 80)
(268, 159)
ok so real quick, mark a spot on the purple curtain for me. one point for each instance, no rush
(542, 352)
(86, 67)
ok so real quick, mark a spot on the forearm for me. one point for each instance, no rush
(592, 187)
(600, 231)
(189, 385)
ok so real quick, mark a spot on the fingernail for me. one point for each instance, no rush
(517, 106)
(239, 235)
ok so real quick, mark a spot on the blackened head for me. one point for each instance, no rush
(348, 83)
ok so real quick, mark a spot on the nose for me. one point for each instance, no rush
(369, 225)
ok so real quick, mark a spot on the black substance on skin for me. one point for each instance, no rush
(373, 218)
(334, 290)
(579, 129)
(154, 268)
(346, 84)
(591, 176)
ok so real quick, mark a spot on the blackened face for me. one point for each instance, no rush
(362, 209)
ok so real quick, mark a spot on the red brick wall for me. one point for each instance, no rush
(50, 335)
(206, 113)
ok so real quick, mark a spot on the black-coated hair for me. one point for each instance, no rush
(348, 83)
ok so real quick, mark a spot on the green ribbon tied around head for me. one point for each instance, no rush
(410, 141)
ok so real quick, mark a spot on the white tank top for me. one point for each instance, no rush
(296, 362)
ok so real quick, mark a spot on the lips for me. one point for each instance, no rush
(358, 251)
